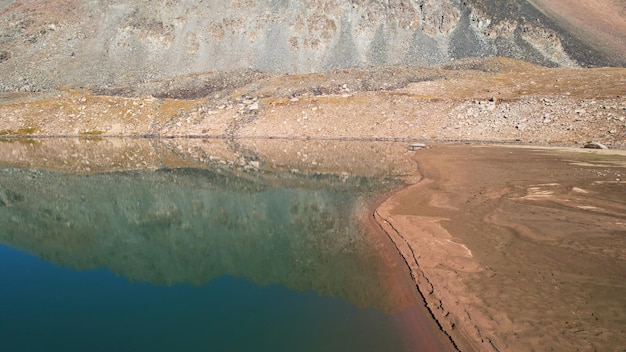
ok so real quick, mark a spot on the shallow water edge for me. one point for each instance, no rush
(195, 211)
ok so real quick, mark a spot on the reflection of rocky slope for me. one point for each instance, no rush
(93, 155)
(96, 43)
(192, 225)
(211, 208)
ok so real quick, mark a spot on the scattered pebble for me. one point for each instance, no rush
(417, 146)
(595, 145)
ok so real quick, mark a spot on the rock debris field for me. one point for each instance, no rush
(497, 99)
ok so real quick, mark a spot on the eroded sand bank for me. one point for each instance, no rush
(517, 248)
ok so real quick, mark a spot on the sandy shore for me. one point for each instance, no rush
(517, 249)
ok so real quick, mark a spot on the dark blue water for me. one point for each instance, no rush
(45, 307)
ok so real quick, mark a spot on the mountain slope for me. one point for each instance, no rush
(97, 43)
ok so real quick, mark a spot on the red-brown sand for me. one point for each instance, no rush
(517, 249)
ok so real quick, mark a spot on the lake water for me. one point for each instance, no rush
(194, 253)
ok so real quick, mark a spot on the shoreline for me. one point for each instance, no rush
(426, 318)
(519, 143)
(435, 231)
(494, 235)
(426, 289)
(433, 303)
(378, 224)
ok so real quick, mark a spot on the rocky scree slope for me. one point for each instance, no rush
(97, 43)
(495, 99)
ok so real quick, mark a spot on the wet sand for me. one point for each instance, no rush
(517, 248)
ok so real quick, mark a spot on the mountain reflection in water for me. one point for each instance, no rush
(192, 225)
(219, 227)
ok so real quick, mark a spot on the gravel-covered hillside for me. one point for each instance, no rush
(368, 69)
(76, 43)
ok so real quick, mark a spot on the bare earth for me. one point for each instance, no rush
(518, 249)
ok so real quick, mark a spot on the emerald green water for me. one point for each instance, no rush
(216, 258)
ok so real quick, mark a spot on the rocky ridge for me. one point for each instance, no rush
(96, 44)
